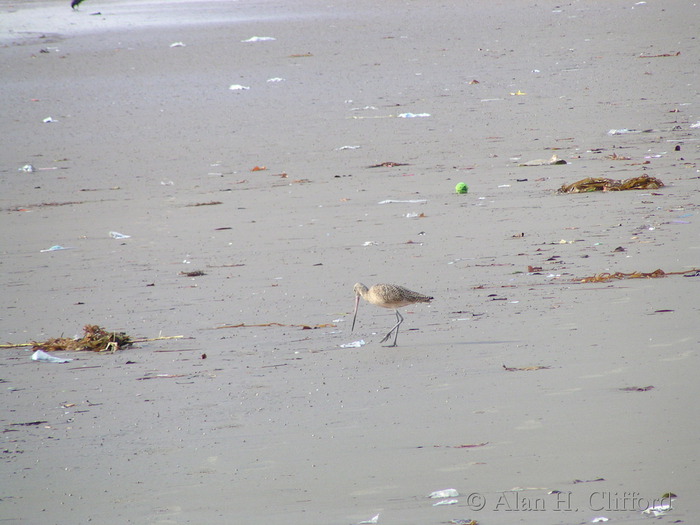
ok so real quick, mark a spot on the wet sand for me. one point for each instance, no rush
(283, 424)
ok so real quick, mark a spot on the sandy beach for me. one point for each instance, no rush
(287, 150)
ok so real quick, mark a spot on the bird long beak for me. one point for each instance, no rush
(354, 316)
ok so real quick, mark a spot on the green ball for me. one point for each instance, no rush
(461, 188)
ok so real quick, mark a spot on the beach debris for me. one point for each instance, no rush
(194, 273)
(599, 519)
(518, 94)
(388, 164)
(354, 344)
(275, 79)
(445, 493)
(627, 131)
(662, 55)
(552, 161)
(55, 248)
(413, 115)
(42, 356)
(637, 388)
(446, 502)
(119, 236)
(301, 55)
(605, 276)
(343, 148)
(696, 125)
(463, 522)
(238, 87)
(589, 184)
(373, 519)
(412, 201)
(259, 39)
(302, 326)
(615, 156)
(210, 203)
(577, 481)
(48, 120)
(461, 187)
(177, 44)
(95, 339)
(658, 510)
(525, 368)
(27, 168)
(258, 168)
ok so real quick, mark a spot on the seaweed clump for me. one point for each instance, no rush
(95, 339)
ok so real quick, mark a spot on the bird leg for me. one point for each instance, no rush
(399, 319)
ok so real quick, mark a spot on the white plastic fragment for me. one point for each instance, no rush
(413, 115)
(238, 87)
(599, 519)
(259, 39)
(414, 201)
(49, 119)
(117, 235)
(446, 502)
(658, 510)
(27, 168)
(374, 519)
(447, 493)
(342, 148)
(369, 243)
(40, 355)
(177, 44)
(54, 248)
(696, 125)
(354, 344)
(275, 79)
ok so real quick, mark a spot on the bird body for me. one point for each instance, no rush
(75, 3)
(388, 296)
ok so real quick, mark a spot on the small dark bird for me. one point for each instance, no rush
(75, 3)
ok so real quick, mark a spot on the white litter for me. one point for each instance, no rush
(55, 248)
(342, 148)
(374, 519)
(696, 125)
(354, 344)
(27, 168)
(177, 44)
(446, 502)
(414, 201)
(259, 39)
(237, 87)
(658, 510)
(275, 79)
(413, 115)
(447, 493)
(117, 235)
(40, 355)
(49, 119)
(599, 519)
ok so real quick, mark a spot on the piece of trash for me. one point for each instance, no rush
(413, 115)
(27, 168)
(40, 355)
(662, 55)
(604, 184)
(194, 273)
(553, 161)
(259, 39)
(354, 344)
(388, 165)
(446, 493)
(258, 168)
(696, 125)
(658, 510)
(461, 187)
(463, 522)
(414, 201)
(446, 502)
(518, 93)
(637, 388)
(177, 44)
(54, 248)
(275, 79)
(599, 519)
(374, 519)
(49, 119)
(525, 368)
(504, 185)
(95, 338)
(625, 131)
(117, 235)
(238, 87)
(342, 148)
(370, 243)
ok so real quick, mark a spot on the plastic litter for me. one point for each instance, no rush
(446, 502)
(554, 160)
(599, 519)
(696, 125)
(259, 39)
(342, 148)
(658, 510)
(55, 248)
(625, 131)
(275, 79)
(354, 344)
(117, 235)
(49, 119)
(27, 168)
(177, 44)
(446, 493)
(414, 201)
(238, 87)
(42, 356)
(373, 519)
(413, 115)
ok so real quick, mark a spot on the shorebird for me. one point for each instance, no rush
(387, 296)
(75, 3)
